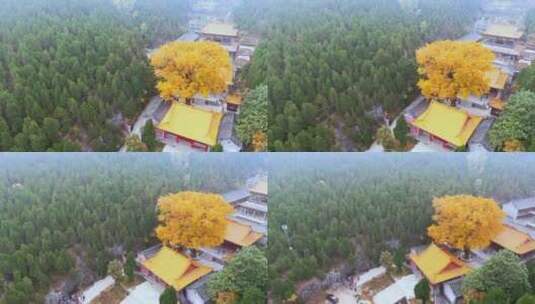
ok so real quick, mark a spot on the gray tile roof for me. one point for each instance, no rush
(189, 37)
(254, 206)
(417, 107)
(524, 203)
(236, 195)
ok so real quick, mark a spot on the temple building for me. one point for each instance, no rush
(187, 272)
(447, 126)
(247, 226)
(443, 271)
(237, 235)
(236, 196)
(223, 33)
(259, 191)
(503, 40)
(250, 205)
(518, 234)
(520, 209)
(498, 82)
(516, 241)
(183, 124)
(241, 235)
(171, 268)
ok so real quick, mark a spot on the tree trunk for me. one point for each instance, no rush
(467, 253)
(188, 101)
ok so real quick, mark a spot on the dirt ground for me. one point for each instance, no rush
(345, 295)
(374, 286)
(116, 294)
(112, 296)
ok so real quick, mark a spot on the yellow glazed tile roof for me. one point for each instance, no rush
(448, 123)
(514, 240)
(192, 123)
(234, 99)
(497, 104)
(240, 234)
(498, 79)
(260, 187)
(220, 29)
(175, 269)
(504, 31)
(438, 265)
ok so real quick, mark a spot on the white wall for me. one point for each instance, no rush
(511, 211)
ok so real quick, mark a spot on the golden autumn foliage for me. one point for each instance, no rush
(465, 222)
(454, 68)
(192, 219)
(513, 145)
(259, 141)
(226, 298)
(185, 69)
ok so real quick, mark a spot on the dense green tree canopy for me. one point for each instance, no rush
(57, 208)
(73, 73)
(502, 271)
(526, 299)
(332, 66)
(422, 290)
(517, 122)
(254, 115)
(168, 296)
(526, 79)
(332, 209)
(245, 275)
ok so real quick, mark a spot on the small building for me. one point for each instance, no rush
(450, 127)
(195, 127)
(497, 105)
(223, 33)
(234, 102)
(498, 82)
(440, 268)
(170, 268)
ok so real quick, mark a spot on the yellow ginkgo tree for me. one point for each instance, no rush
(185, 69)
(466, 222)
(192, 219)
(451, 69)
